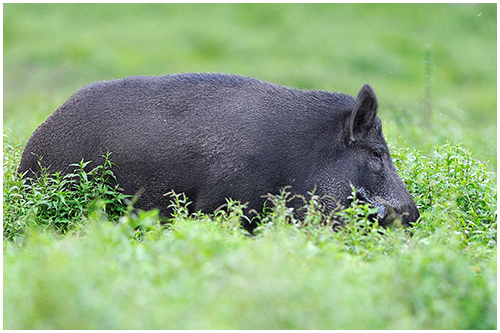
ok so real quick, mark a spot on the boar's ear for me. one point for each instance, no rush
(364, 112)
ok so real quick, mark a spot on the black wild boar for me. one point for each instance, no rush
(217, 136)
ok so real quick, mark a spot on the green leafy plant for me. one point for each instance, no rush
(57, 201)
(451, 183)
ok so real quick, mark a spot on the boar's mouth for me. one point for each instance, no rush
(386, 214)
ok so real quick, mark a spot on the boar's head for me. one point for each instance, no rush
(363, 161)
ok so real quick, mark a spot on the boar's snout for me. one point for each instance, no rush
(388, 215)
(389, 212)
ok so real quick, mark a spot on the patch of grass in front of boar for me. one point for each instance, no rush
(131, 271)
(453, 190)
(197, 275)
(61, 203)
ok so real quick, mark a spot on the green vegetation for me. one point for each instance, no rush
(55, 201)
(77, 257)
(98, 270)
(428, 63)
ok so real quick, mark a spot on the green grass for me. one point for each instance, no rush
(197, 276)
(133, 270)
(51, 50)
(76, 257)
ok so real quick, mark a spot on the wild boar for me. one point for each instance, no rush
(216, 136)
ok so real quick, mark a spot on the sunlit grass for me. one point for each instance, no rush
(51, 50)
(78, 259)
(134, 270)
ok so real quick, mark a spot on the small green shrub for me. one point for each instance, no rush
(13, 198)
(451, 187)
(56, 201)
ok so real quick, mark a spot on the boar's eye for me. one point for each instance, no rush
(377, 154)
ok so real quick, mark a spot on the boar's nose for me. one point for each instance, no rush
(403, 210)
(410, 214)
(406, 215)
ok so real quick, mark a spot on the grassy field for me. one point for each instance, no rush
(426, 62)
(71, 263)
(78, 260)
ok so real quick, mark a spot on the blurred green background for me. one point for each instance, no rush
(433, 66)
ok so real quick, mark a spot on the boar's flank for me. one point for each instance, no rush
(217, 136)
